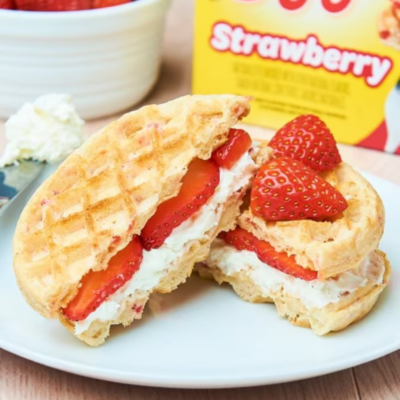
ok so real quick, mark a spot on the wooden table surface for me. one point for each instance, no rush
(378, 380)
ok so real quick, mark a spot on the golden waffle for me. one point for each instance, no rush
(105, 192)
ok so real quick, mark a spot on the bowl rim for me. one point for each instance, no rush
(79, 14)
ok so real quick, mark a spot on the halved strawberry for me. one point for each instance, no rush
(107, 3)
(244, 240)
(285, 189)
(97, 286)
(7, 4)
(52, 5)
(198, 185)
(309, 140)
(229, 153)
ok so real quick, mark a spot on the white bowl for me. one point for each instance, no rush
(107, 59)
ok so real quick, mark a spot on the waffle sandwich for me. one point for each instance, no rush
(131, 211)
(307, 238)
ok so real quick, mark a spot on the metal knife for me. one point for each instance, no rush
(14, 179)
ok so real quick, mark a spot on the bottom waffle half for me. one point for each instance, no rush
(333, 317)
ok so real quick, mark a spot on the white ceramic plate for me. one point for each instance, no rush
(203, 336)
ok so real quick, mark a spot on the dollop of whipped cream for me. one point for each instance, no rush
(157, 262)
(49, 129)
(313, 294)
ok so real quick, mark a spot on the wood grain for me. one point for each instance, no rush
(24, 380)
(380, 380)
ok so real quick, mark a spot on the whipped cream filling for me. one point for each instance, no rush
(313, 294)
(157, 262)
(49, 129)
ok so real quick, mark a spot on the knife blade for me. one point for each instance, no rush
(15, 178)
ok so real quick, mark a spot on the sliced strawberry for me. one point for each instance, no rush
(244, 240)
(229, 153)
(198, 185)
(384, 34)
(7, 4)
(280, 260)
(285, 189)
(97, 286)
(240, 238)
(309, 140)
(52, 5)
(107, 3)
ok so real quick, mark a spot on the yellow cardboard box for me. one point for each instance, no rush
(338, 59)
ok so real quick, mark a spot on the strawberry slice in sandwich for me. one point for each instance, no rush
(130, 212)
(307, 238)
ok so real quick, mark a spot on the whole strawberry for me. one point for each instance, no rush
(107, 3)
(286, 189)
(7, 4)
(52, 5)
(309, 140)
